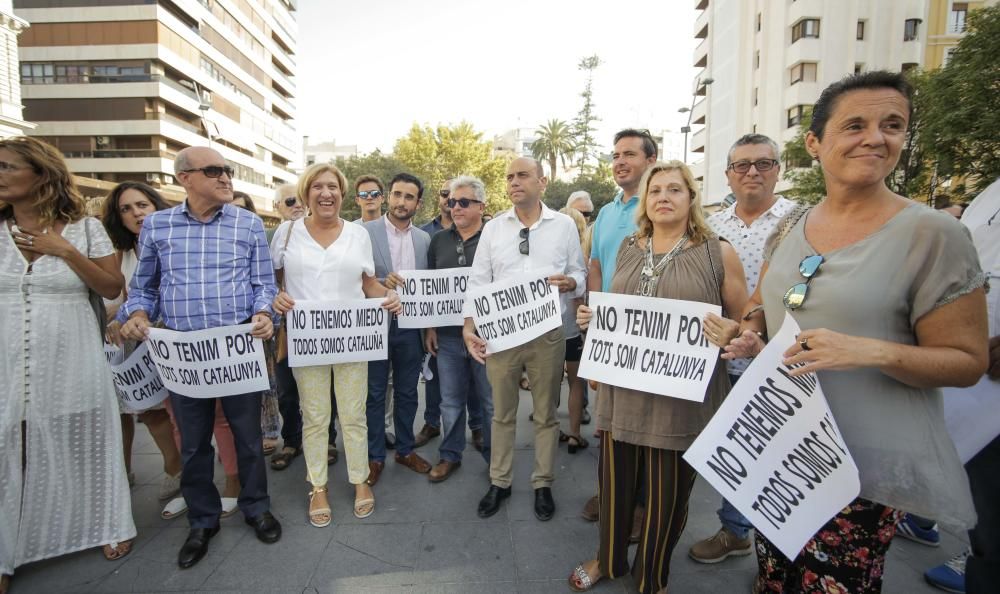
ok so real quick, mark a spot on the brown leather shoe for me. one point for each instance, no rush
(477, 440)
(592, 509)
(427, 433)
(374, 471)
(414, 462)
(442, 471)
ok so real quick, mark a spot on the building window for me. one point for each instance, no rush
(956, 18)
(861, 31)
(805, 28)
(910, 29)
(859, 68)
(908, 66)
(758, 22)
(756, 60)
(795, 115)
(948, 53)
(755, 94)
(804, 72)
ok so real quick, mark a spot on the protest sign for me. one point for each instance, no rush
(774, 450)
(432, 298)
(650, 344)
(512, 312)
(137, 382)
(209, 363)
(326, 332)
(114, 354)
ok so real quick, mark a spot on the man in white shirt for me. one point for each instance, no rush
(527, 238)
(752, 170)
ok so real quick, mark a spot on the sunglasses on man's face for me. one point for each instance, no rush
(523, 246)
(463, 202)
(795, 296)
(586, 213)
(372, 195)
(291, 201)
(213, 171)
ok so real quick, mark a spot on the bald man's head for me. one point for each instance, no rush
(525, 181)
(204, 174)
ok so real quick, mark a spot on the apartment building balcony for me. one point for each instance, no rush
(698, 141)
(701, 25)
(801, 93)
(699, 112)
(807, 49)
(801, 9)
(701, 54)
(700, 4)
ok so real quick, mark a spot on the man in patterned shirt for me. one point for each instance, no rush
(205, 264)
(752, 171)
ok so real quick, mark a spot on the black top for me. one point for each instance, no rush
(443, 253)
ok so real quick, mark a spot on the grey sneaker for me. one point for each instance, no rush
(170, 487)
(717, 548)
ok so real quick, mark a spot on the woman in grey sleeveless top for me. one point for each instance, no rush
(889, 296)
(673, 255)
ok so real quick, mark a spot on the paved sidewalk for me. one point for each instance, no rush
(422, 537)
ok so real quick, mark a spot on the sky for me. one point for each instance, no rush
(368, 70)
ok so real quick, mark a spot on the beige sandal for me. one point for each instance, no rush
(118, 550)
(364, 507)
(580, 580)
(319, 517)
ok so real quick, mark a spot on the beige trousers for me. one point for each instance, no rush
(543, 360)
(351, 384)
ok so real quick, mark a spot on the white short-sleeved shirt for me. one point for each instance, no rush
(316, 273)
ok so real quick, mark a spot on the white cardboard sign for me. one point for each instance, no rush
(328, 332)
(651, 344)
(433, 298)
(137, 382)
(224, 361)
(514, 311)
(774, 450)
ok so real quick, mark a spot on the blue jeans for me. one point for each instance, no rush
(732, 520)
(463, 381)
(406, 355)
(432, 407)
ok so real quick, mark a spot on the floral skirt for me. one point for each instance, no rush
(846, 556)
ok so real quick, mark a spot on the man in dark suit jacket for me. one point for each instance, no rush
(397, 245)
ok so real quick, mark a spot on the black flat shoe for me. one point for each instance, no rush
(575, 442)
(195, 547)
(545, 507)
(490, 503)
(266, 526)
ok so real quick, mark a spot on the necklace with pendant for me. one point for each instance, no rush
(650, 271)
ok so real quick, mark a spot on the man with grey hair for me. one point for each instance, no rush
(581, 201)
(463, 379)
(752, 169)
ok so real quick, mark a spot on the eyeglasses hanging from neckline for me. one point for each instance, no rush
(795, 296)
(523, 246)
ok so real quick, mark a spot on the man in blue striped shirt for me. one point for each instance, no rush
(205, 264)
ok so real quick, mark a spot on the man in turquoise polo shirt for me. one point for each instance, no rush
(634, 152)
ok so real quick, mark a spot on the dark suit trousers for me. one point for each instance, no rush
(195, 419)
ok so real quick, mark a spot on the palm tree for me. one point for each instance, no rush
(554, 143)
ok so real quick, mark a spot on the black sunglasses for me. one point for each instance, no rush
(586, 213)
(445, 194)
(463, 202)
(761, 165)
(372, 195)
(795, 296)
(291, 201)
(523, 247)
(212, 171)
(460, 248)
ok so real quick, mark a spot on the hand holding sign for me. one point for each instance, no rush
(262, 326)
(720, 331)
(583, 317)
(137, 327)
(514, 311)
(745, 346)
(283, 303)
(562, 282)
(774, 450)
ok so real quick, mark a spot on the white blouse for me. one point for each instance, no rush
(313, 272)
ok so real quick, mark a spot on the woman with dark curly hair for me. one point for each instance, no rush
(63, 486)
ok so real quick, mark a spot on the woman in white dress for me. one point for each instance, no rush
(62, 477)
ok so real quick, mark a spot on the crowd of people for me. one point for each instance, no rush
(890, 295)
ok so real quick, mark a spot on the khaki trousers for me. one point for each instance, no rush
(351, 386)
(543, 360)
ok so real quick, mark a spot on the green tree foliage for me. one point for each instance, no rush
(961, 112)
(804, 174)
(554, 143)
(583, 124)
(598, 182)
(438, 154)
(376, 163)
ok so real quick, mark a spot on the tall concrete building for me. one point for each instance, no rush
(770, 59)
(121, 85)
(11, 118)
